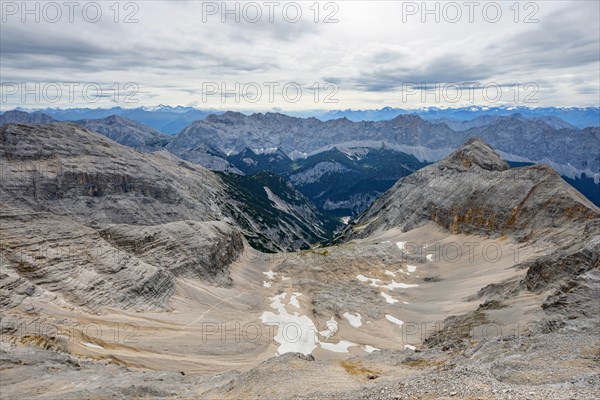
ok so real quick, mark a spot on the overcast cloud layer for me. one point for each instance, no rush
(369, 56)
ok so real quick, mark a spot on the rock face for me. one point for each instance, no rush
(233, 132)
(64, 169)
(61, 260)
(21, 117)
(127, 132)
(474, 191)
(191, 249)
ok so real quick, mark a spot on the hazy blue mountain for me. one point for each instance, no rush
(165, 119)
(580, 117)
(172, 120)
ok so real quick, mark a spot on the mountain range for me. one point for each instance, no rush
(166, 119)
(580, 117)
(172, 120)
(570, 151)
(321, 157)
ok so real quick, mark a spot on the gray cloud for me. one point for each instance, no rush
(445, 68)
(171, 52)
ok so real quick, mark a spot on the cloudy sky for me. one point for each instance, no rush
(358, 54)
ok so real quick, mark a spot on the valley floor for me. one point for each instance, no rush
(367, 310)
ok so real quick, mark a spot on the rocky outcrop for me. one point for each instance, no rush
(473, 191)
(57, 258)
(191, 249)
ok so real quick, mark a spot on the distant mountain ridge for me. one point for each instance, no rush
(166, 119)
(580, 117)
(21, 117)
(172, 119)
(247, 144)
(572, 152)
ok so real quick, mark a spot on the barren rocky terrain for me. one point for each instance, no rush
(466, 280)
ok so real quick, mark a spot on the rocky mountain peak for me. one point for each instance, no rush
(117, 119)
(228, 116)
(491, 199)
(408, 119)
(475, 152)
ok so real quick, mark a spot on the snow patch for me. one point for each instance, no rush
(411, 268)
(295, 333)
(332, 328)
(369, 349)
(339, 347)
(394, 320)
(396, 285)
(355, 321)
(294, 299)
(92, 346)
(270, 274)
(363, 278)
(389, 298)
(268, 150)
